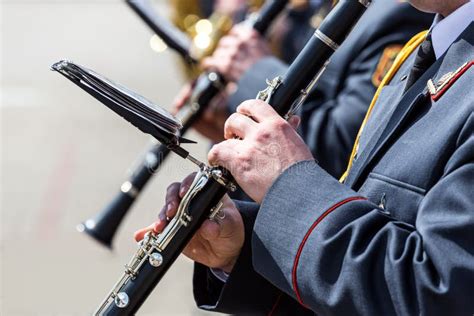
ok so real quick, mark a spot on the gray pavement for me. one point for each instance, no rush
(63, 156)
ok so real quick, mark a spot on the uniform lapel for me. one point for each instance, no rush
(459, 53)
(414, 96)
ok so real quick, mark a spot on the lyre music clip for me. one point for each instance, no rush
(140, 112)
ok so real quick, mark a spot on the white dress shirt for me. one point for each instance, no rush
(445, 31)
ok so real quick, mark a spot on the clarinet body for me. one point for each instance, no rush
(203, 200)
(104, 225)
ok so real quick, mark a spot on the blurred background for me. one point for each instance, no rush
(64, 155)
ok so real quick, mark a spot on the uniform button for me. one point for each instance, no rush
(382, 204)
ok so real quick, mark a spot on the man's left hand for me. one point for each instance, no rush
(259, 146)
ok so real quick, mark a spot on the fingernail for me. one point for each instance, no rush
(183, 190)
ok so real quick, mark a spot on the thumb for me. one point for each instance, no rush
(294, 121)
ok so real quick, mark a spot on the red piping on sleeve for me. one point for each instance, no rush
(308, 233)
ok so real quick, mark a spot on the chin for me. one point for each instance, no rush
(428, 6)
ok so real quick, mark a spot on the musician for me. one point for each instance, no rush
(395, 238)
(338, 103)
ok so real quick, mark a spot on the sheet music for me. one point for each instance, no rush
(122, 97)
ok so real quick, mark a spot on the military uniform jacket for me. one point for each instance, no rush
(397, 238)
(336, 106)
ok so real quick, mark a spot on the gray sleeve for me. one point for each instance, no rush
(339, 254)
(254, 80)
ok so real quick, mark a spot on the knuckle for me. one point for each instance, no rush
(213, 153)
(280, 124)
(172, 187)
(245, 160)
(231, 120)
(247, 104)
(263, 135)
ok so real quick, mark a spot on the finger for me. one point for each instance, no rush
(186, 184)
(209, 63)
(210, 230)
(294, 121)
(224, 153)
(258, 110)
(238, 125)
(228, 42)
(172, 199)
(182, 98)
(216, 64)
(161, 222)
(240, 29)
(140, 234)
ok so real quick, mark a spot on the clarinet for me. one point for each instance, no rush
(171, 35)
(157, 252)
(104, 225)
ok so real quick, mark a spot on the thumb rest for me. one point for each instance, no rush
(151, 248)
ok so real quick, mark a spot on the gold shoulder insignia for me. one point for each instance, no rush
(385, 63)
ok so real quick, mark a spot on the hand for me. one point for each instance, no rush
(211, 122)
(267, 145)
(217, 244)
(229, 7)
(237, 52)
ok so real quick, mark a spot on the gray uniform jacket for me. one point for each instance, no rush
(337, 105)
(397, 238)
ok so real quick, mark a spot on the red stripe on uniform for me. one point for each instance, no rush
(440, 93)
(300, 249)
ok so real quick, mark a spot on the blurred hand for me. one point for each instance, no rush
(211, 122)
(237, 52)
(217, 244)
(260, 145)
(229, 7)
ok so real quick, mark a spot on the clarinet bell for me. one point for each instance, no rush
(104, 225)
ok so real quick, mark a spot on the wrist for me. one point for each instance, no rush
(228, 266)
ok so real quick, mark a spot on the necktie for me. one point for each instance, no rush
(424, 59)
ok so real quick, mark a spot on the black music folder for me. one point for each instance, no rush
(142, 113)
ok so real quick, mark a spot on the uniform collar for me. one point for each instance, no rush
(445, 31)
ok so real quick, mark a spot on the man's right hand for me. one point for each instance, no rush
(217, 244)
